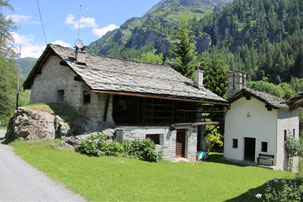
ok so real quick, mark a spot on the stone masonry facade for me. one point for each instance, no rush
(55, 77)
(167, 138)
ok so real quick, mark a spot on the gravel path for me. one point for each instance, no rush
(21, 182)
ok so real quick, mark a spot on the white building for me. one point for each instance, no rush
(257, 124)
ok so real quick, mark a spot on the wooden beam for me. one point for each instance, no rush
(159, 97)
(106, 107)
(64, 63)
(269, 108)
(296, 105)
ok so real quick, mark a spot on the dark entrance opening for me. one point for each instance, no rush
(180, 143)
(249, 149)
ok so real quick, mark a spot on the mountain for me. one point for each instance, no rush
(26, 65)
(155, 29)
(261, 37)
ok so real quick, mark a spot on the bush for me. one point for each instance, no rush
(142, 149)
(213, 139)
(285, 189)
(100, 146)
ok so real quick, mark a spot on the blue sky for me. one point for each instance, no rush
(61, 17)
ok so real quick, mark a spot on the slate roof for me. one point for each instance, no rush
(268, 99)
(115, 75)
(296, 98)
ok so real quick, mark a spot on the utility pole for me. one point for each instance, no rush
(18, 79)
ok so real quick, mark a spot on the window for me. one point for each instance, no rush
(264, 146)
(235, 143)
(285, 135)
(60, 95)
(294, 133)
(86, 97)
(154, 137)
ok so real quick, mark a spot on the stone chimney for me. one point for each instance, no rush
(81, 55)
(236, 81)
(198, 77)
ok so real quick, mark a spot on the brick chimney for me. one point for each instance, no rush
(198, 77)
(236, 81)
(80, 55)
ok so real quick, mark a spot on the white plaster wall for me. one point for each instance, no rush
(287, 120)
(262, 125)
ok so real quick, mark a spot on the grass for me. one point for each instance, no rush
(116, 178)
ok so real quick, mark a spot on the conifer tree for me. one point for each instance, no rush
(183, 52)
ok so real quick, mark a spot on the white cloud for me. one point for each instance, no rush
(28, 47)
(19, 18)
(70, 19)
(61, 43)
(101, 31)
(85, 22)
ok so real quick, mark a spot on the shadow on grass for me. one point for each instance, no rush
(218, 158)
(250, 195)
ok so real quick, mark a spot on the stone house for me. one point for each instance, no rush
(256, 125)
(139, 100)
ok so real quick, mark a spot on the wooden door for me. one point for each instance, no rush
(180, 143)
(250, 149)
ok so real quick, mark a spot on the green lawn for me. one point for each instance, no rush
(115, 178)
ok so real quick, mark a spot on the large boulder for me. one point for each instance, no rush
(35, 125)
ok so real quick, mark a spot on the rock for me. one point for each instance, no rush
(35, 125)
(76, 140)
(63, 144)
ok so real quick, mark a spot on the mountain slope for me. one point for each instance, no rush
(155, 29)
(26, 65)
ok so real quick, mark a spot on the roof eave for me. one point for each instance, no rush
(167, 97)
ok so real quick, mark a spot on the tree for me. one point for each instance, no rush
(7, 67)
(216, 73)
(183, 52)
(150, 57)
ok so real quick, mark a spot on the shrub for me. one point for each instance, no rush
(99, 145)
(91, 146)
(213, 139)
(293, 149)
(142, 149)
(285, 189)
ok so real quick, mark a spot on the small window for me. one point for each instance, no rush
(294, 133)
(86, 97)
(60, 95)
(264, 146)
(235, 143)
(285, 135)
(154, 137)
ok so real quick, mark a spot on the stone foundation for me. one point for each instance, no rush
(167, 138)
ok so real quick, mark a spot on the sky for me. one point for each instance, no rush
(61, 21)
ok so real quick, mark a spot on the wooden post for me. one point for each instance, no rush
(106, 107)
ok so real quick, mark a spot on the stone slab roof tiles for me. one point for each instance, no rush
(269, 99)
(102, 73)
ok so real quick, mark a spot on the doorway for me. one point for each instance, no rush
(180, 143)
(249, 149)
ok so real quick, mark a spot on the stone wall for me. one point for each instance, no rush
(289, 121)
(167, 138)
(56, 77)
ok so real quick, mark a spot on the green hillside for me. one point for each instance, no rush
(155, 29)
(27, 65)
(261, 37)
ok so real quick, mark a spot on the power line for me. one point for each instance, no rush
(41, 22)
